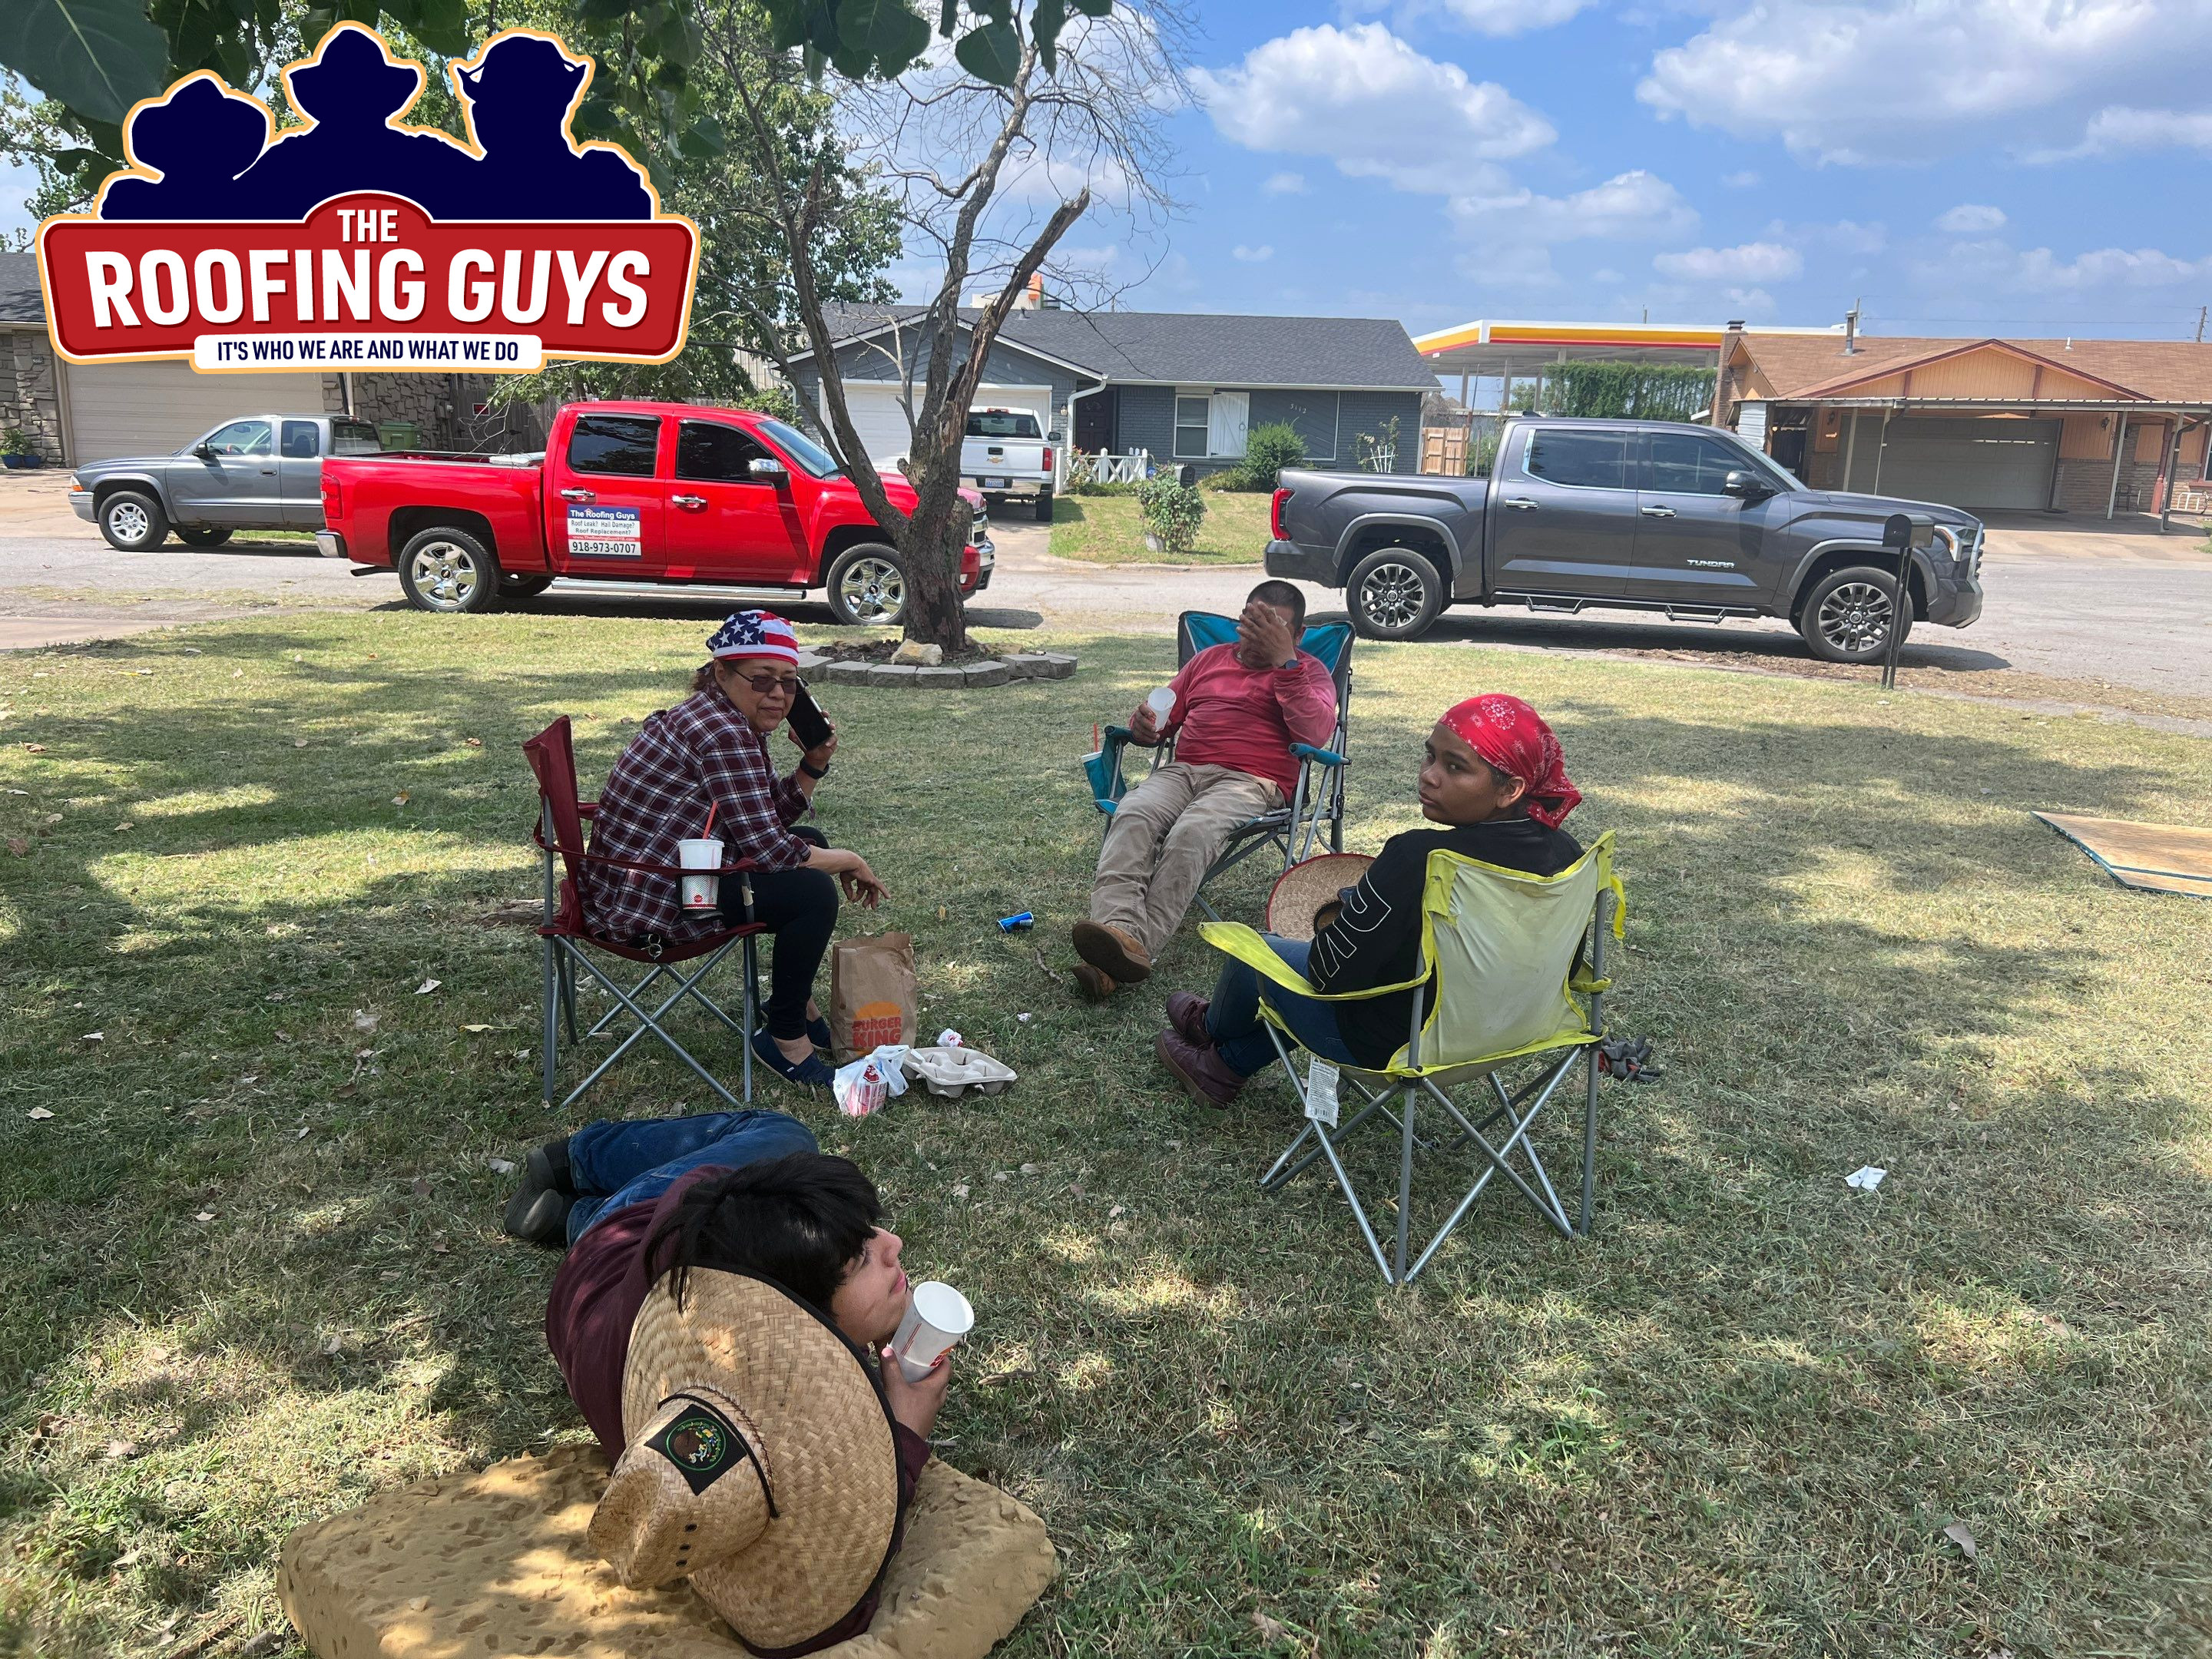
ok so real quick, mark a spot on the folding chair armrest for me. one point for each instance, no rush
(1309, 751)
(1251, 948)
(1122, 736)
(583, 857)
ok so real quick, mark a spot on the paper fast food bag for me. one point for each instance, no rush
(872, 994)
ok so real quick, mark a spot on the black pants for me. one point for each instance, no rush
(800, 907)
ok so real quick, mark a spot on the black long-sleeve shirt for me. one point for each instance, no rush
(1376, 939)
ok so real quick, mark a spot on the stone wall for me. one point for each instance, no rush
(442, 408)
(2084, 486)
(29, 398)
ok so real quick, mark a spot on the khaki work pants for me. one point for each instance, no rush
(1165, 834)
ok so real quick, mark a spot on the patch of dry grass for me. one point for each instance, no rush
(255, 1269)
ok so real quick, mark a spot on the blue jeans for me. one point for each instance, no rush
(1240, 1036)
(613, 1165)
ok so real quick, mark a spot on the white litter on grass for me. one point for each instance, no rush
(1114, 1214)
(363, 1020)
(960, 1191)
(205, 1215)
(1024, 1019)
(500, 1166)
(40, 1115)
(426, 986)
(94, 1036)
(1865, 1178)
(1957, 1533)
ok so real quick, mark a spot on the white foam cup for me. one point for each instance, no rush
(936, 1318)
(1161, 702)
(701, 892)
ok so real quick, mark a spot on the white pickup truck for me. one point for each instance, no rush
(1007, 453)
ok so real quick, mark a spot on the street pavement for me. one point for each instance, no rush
(2122, 605)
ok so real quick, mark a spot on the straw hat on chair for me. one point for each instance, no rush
(1305, 887)
(761, 1462)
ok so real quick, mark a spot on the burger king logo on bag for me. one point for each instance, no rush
(355, 242)
(875, 1024)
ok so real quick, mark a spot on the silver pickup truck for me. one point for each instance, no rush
(1647, 516)
(257, 472)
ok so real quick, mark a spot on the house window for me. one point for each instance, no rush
(1212, 425)
(1192, 414)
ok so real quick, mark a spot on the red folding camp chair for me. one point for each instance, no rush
(567, 934)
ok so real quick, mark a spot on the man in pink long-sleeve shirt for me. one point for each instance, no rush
(1237, 710)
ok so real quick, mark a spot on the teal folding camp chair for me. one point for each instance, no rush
(1519, 987)
(1292, 829)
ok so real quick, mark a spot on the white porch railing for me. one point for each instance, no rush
(1132, 468)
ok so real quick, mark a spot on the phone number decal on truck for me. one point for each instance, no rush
(606, 533)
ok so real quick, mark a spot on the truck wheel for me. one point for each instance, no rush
(442, 568)
(1044, 507)
(133, 522)
(203, 534)
(1847, 615)
(867, 585)
(1393, 594)
(524, 586)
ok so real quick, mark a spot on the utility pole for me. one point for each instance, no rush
(2200, 323)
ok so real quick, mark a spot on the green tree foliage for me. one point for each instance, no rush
(1171, 511)
(1643, 391)
(1267, 450)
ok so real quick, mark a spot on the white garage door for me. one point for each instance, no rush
(154, 408)
(881, 420)
(1974, 463)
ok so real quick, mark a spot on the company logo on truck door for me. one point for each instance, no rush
(355, 242)
(606, 533)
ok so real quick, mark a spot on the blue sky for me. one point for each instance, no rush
(2019, 167)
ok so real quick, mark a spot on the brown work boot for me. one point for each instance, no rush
(1187, 1014)
(1113, 951)
(1095, 985)
(1199, 1068)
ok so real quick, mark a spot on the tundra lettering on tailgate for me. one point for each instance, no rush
(605, 533)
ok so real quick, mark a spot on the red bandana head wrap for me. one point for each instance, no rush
(1513, 738)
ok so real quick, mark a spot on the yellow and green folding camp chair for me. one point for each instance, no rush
(1519, 985)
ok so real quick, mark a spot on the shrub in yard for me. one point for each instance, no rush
(1087, 488)
(1229, 478)
(1267, 450)
(1172, 513)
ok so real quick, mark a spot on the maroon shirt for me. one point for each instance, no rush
(596, 1295)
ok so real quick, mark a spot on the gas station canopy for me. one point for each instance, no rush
(1485, 348)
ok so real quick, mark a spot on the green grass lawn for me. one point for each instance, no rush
(254, 1271)
(1106, 529)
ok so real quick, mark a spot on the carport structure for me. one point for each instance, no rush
(2083, 426)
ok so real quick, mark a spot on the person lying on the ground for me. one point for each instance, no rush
(1492, 773)
(739, 1192)
(710, 751)
(1237, 710)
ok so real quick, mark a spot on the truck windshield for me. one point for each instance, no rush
(1002, 423)
(800, 448)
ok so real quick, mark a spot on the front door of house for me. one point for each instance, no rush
(1095, 421)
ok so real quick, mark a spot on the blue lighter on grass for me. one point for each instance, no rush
(1016, 924)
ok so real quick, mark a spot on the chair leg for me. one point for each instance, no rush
(750, 991)
(1589, 1143)
(652, 1023)
(550, 1038)
(1405, 1184)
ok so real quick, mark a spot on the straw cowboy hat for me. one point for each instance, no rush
(760, 1463)
(1305, 887)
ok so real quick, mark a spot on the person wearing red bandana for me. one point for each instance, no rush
(1492, 775)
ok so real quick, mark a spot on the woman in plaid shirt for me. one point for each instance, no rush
(711, 750)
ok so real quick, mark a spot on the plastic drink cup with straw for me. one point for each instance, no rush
(936, 1318)
(703, 853)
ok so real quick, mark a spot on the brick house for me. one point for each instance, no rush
(1183, 387)
(2072, 426)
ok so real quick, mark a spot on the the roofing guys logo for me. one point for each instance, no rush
(355, 242)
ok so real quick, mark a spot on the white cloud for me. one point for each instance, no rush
(1971, 219)
(1904, 80)
(1511, 231)
(1970, 267)
(2121, 129)
(1837, 236)
(1368, 102)
(1284, 184)
(1743, 180)
(1608, 276)
(1747, 263)
(1253, 256)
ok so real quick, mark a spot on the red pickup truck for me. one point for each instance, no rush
(629, 492)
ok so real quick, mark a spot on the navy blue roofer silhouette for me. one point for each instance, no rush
(353, 94)
(199, 138)
(519, 99)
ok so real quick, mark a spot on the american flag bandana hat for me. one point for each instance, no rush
(754, 633)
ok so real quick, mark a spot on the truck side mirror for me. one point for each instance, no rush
(204, 451)
(768, 470)
(1746, 486)
(1055, 436)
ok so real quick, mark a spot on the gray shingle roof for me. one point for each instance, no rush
(1192, 348)
(19, 299)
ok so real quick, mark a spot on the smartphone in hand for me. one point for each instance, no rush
(808, 723)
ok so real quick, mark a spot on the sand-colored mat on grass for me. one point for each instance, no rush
(2158, 857)
(486, 1565)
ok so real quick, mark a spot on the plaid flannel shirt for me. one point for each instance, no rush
(701, 750)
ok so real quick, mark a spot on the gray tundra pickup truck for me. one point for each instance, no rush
(258, 472)
(1648, 515)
